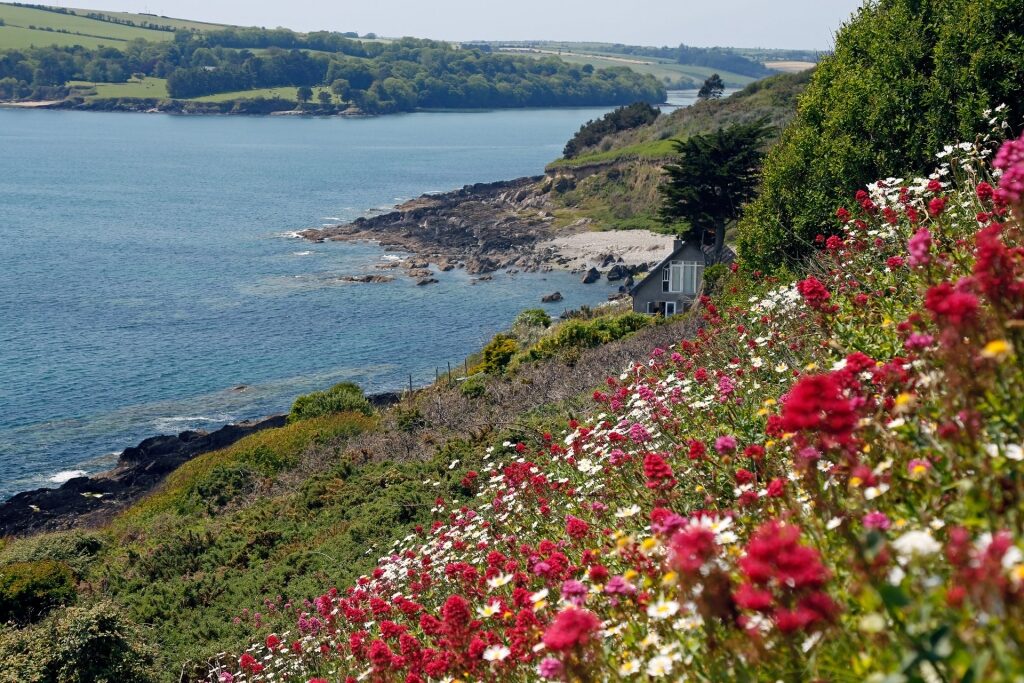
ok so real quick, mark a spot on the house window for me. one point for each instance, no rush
(670, 308)
(652, 307)
(682, 277)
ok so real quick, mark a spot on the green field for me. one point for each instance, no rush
(284, 93)
(146, 88)
(141, 19)
(16, 37)
(663, 69)
(25, 27)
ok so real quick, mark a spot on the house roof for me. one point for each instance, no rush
(727, 256)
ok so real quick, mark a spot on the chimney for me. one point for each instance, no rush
(677, 244)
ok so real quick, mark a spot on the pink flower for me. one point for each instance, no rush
(876, 520)
(725, 444)
(919, 247)
(1010, 160)
(550, 668)
(572, 628)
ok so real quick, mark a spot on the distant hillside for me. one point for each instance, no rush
(614, 183)
(683, 67)
(137, 62)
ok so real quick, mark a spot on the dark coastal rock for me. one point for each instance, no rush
(366, 278)
(551, 298)
(419, 272)
(592, 276)
(618, 272)
(426, 281)
(138, 470)
(484, 226)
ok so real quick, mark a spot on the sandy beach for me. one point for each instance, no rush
(583, 250)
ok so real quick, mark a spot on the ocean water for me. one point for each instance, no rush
(149, 283)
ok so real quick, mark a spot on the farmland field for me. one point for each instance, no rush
(40, 27)
(661, 69)
(148, 87)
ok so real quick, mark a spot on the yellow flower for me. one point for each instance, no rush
(649, 544)
(669, 578)
(997, 349)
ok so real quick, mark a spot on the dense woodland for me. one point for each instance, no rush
(376, 77)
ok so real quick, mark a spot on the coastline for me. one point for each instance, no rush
(481, 228)
(88, 500)
(508, 225)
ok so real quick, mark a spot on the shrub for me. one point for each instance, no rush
(473, 387)
(218, 488)
(346, 396)
(906, 77)
(498, 353)
(28, 590)
(583, 334)
(95, 644)
(533, 317)
(713, 275)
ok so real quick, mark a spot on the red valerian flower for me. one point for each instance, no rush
(572, 628)
(785, 579)
(817, 405)
(815, 294)
(658, 472)
(690, 548)
(998, 269)
(951, 305)
(1010, 159)
(576, 527)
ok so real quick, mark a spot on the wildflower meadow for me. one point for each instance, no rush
(824, 483)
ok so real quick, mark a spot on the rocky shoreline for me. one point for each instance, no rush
(88, 501)
(483, 228)
(502, 226)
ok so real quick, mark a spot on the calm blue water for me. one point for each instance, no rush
(145, 271)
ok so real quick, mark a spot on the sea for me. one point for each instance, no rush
(151, 280)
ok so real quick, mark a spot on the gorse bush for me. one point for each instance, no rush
(498, 353)
(825, 483)
(583, 334)
(906, 77)
(28, 590)
(342, 397)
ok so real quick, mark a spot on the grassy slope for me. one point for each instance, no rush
(619, 177)
(284, 512)
(662, 69)
(76, 30)
(146, 88)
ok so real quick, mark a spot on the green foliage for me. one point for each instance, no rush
(712, 88)
(583, 334)
(714, 178)
(222, 485)
(907, 77)
(77, 549)
(533, 317)
(498, 353)
(28, 590)
(713, 275)
(94, 644)
(342, 397)
(592, 132)
(473, 387)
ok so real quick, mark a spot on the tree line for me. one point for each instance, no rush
(380, 77)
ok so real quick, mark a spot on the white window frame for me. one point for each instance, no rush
(670, 308)
(682, 277)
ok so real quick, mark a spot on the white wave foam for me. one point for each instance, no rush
(332, 218)
(301, 253)
(290, 234)
(66, 475)
(390, 257)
